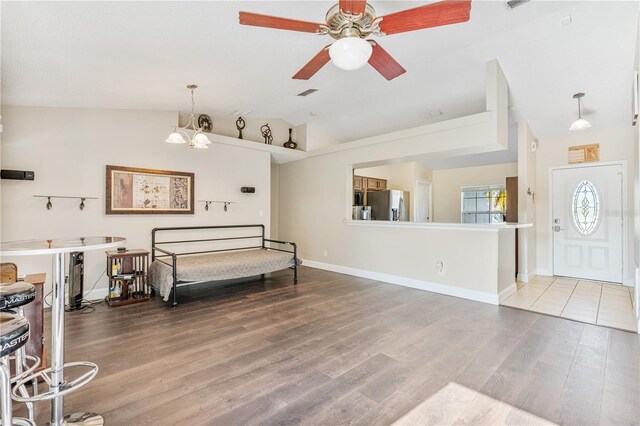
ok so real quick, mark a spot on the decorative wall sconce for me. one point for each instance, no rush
(207, 202)
(50, 205)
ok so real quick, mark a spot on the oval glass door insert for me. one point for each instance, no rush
(586, 208)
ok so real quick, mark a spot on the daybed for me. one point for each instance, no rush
(234, 252)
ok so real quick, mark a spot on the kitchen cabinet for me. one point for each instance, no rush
(372, 184)
(357, 183)
(368, 184)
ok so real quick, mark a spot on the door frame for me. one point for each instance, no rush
(429, 198)
(625, 240)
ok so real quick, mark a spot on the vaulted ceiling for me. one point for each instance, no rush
(140, 55)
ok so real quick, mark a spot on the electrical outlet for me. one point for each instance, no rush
(325, 253)
(261, 213)
(440, 266)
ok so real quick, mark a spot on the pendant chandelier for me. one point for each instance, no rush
(180, 135)
(580, 123)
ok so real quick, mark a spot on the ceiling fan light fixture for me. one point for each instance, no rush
(580, 123)
(350, 53)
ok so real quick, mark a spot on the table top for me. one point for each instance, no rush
(58, 245)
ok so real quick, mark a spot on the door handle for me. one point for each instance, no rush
(557, 228)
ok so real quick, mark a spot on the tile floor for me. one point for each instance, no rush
(593, 302)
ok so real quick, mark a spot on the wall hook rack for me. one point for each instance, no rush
(50, 205)
(207, 202)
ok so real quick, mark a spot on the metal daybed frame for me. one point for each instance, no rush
(174, 255)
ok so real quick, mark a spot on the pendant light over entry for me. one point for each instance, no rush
(580, 123)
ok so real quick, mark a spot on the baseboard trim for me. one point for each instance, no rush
(449, 290)
(507, 292)
(525, 278)
(545, 272)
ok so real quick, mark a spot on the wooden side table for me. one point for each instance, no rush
(128, 277)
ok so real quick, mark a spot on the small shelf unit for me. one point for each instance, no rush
(128, 277)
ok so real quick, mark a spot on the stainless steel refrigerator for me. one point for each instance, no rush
(391, 204)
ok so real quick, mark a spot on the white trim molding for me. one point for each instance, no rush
(449, 290)
(507, 292)
(525, 278)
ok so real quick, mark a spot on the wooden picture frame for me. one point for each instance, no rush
(131, 190)
(584, 153)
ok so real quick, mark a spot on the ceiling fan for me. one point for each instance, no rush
(350, 22)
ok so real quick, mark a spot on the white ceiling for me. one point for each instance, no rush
(140, 55)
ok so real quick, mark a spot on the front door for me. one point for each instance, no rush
(587, 222)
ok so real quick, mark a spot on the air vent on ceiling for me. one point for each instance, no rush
(307, 92)
(512, 4)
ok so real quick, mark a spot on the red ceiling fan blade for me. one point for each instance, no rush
(314, 65)
(428, 16)
(257, 20)
(384, 63)
(353, 7)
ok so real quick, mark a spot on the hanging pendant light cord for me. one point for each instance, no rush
(579, 110)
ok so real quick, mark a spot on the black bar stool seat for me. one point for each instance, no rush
(14, 332)
(16, 294)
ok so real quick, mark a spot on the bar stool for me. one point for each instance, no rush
(14, 333)
(12, 299)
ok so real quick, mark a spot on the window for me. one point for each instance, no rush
(586, 208)
(483, 204)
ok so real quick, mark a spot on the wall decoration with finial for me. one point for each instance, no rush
(266, 134)
(240, 125)
(205, 123)
(290, 143)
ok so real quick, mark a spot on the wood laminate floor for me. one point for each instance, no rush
(342, 350)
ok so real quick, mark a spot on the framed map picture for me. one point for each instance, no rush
(147, 191)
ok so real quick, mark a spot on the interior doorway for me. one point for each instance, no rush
(423, 201)
(587, 222)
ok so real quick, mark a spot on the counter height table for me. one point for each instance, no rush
(57, 386)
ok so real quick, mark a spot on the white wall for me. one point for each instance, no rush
(526, 202)
(448, 182)
(68, 150)
(315, 205)
(615, 144)
(311, 136)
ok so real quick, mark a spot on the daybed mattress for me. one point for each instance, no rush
(217, 266)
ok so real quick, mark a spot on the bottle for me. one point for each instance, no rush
(114, 269)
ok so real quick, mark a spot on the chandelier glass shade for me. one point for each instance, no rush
(350, 53)
(198, 140)
(580, 123)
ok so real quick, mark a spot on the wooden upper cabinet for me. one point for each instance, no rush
(357, 183)
(372, 183)
(361, 183)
